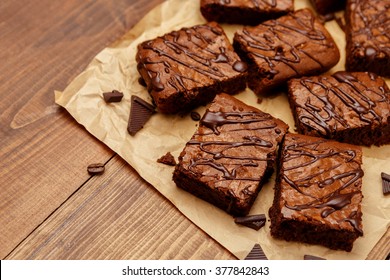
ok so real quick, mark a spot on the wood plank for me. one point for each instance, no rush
(44, 153)
(118, 216)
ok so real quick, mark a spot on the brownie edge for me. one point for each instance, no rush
(188, 67)
(318, 192)
(230, 156)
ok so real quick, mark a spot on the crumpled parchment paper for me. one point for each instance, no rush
(115, 68)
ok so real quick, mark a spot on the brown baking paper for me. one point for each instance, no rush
(115, 68)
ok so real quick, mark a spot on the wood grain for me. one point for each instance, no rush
(50, 208)
(44, 153)
(118, 216)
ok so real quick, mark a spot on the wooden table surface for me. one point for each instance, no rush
(50, 207)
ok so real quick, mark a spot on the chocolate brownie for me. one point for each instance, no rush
(368, 36)
(231, 155)
(318, 192)
(291, 46)
(248, 12)
(325, 7)
(348, 107)
(187, 68)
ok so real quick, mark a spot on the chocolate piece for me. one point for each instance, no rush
(385, 183)
(318, 192)
(388, 257)
(368, 36)
(140, 113)
(311, 257)
(289, 47)
(247, 12)
(167, 159)
(195, 116)
(256, 253)
(96, 168)
(231, 155)
(188, 67)
(254, 221)
(325, 7)
(348, 107)
(113, 96)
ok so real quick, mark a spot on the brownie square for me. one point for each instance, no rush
(187, 68)
(348, 107)
(368, 36)
(291, 46)
(325, 7)
(248, 12)
(231, 155)
(318, 192)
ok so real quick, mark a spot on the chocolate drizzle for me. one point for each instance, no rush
(274, 46)
(238, 130)
(185, 51)
(370, 22)
(322, 179)
(319, 110)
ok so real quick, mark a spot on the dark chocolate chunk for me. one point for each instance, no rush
(140, 113)
(96, 168)
(254, 221)
(388, 257)
(195, 116)
(311, 257)
(385, 183)
(167, 159)
(256, 253)
(113, 96)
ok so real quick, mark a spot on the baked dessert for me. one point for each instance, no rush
(231, 155)
(318, 192)
(187, 68)
(368, 36)
(348, 107)
(248, 12)
(325, 7)
(292, 46)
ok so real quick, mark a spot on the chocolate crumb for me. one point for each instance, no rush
(385, 183)
(167, 159)
(142, 82)
(311, 257)
(259, 100)
(255, 222)
(113, 96)
(195, 116)
(256, 253)
(140, 113)
(96, 168)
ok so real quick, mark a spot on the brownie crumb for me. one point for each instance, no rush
(167, 159)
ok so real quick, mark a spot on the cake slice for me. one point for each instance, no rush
(247, 12)
(348, 107)
(188, 67)
(368, 36)
(318, 192)
(231, 155)
(291, 46)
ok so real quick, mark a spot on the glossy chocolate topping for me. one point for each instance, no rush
(323, 178)
(284, 44)
(202, 49)
(232, 145)
(344, 100)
